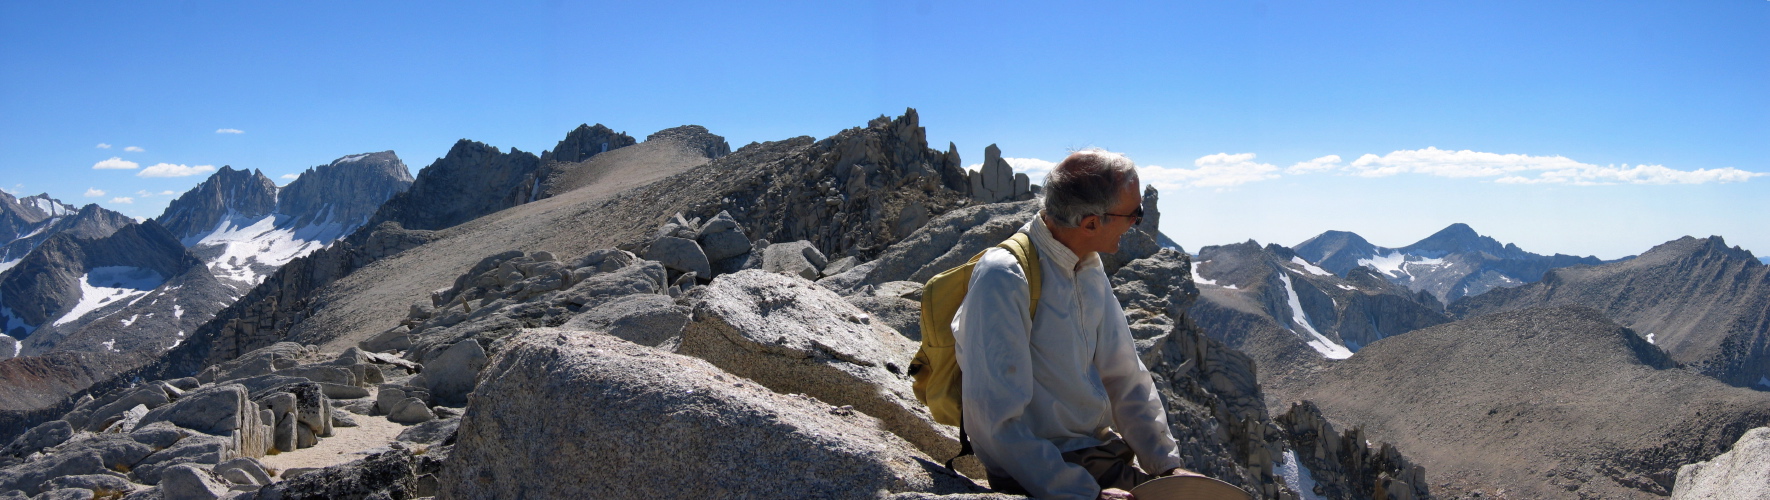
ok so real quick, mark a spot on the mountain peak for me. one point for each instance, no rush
(346, 191)
(1456, 238)
(586, 141)
(245, 193)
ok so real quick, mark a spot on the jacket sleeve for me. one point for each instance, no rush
(1137, 411)
(993, 330)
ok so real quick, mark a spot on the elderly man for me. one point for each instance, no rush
(1045, 394)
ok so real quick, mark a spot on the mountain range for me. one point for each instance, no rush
(1451, 264)
(96, 281)
(525, 312)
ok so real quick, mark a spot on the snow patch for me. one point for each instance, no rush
(1344, 286)
(1321, 343)
(102, 286)
(1397, 265)
(4, 265)
(111, 345)
(129, 321)
(350, 158)
(1650, 339)
(1297, 477)
(177, 312)
(249, 244)
(1312, 268)
(1201, 279)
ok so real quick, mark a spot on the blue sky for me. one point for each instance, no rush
(1581, 128)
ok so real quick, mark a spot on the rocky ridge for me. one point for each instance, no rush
(1704, 303)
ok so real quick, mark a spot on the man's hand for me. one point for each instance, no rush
(1115, 494)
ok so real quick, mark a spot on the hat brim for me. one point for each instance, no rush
(1188, 488)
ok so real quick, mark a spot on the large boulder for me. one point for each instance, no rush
(222, 410)
(450, 376)
(796, 337)
(191, 482)
(723, 238)
(389, 474)
(645, 319)
(1743, 472)
(650, 424)
(42, 436)
(198, 449)
(28, 476)
(679, 254)
(798, 258)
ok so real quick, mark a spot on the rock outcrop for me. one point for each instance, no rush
(586, 141)
(1742, 472)
(688, 428)
(472, 180)
(995, 181)
(795, 337)
(25, 222)
(1346, 465)
(694, 136)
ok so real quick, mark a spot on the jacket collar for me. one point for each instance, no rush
(1054, 251)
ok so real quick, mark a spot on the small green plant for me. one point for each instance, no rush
(123, 468)
(273, 451)
(108, 494)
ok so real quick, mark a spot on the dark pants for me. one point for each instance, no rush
(1110, 464)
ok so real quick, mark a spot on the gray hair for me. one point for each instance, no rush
(1086, 183)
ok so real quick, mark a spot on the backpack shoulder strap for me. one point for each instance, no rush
(1021, 246)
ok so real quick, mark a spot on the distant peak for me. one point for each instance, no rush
(1459, 230)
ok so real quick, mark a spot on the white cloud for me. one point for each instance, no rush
(116, 163)
(94, 192)
(171, 170)
(167, 193)
(229, 131)
(291, 176)
(1221, 170)
(1527, 169)
(1322, 164)
(104, 146)
(123, 199)
(134, 149)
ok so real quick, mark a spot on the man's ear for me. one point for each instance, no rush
(1091, 223)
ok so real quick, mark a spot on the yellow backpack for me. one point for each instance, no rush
(936, 367)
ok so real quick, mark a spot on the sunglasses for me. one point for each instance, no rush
(1136, 217)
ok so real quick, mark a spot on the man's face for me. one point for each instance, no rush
(1113, 227)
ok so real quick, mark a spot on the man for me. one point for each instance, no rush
(1043, 396)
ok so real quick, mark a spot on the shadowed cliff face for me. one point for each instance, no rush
(1706, 304)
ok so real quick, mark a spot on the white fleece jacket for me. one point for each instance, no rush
(1035, 387)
